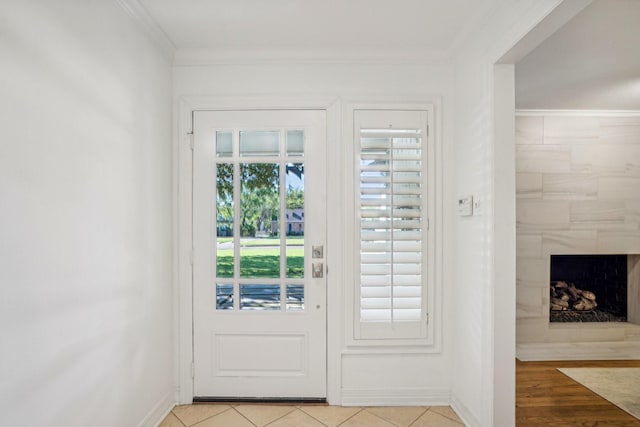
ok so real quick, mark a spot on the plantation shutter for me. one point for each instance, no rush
(392, 223)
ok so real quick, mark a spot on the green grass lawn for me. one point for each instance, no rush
(261, 263)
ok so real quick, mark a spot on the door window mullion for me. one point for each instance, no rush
(236, 223)
(283, 229)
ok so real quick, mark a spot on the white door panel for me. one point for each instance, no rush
(259, 209)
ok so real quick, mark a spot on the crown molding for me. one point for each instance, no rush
(204, 57)
(150, 27)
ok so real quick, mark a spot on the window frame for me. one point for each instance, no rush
(420, 336)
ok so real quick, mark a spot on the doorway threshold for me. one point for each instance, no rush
(262, 400)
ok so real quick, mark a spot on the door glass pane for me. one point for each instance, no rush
(260, 220)
(224, 220)
(295, 143)
(294, 181)
(259, 297)
(260, 143)
(224, 297)
(224, 143)
(295, 297)
(251, 224)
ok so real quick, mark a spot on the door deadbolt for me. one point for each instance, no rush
(317, 252)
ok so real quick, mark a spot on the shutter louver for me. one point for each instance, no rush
(391, 225)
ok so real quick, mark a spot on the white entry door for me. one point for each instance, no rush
(259, 230)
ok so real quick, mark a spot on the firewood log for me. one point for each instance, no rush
(560, 302)
(588, 295)
(590, 304)
(584, 305)
(573, 291)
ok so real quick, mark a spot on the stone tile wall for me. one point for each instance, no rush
(577, 192)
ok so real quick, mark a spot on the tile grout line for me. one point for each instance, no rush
(342, 423)
(420, 416)
(457, 420)
(325, 425)
(295, 408)
(300, 408)
(204, 419)
(381, 418)
(178, 418)
(242, 415)
(393, 422)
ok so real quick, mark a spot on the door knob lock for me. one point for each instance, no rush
(317, 270)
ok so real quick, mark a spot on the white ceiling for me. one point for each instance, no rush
(428, 28)
(592, 62)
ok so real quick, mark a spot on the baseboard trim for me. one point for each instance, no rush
(159, 411)
(616, 350)
(467, 417)
(396, 397)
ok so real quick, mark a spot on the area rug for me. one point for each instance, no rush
(620, 386)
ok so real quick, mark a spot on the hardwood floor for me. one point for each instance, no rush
(546, 397)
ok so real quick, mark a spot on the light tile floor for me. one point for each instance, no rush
(247, 415)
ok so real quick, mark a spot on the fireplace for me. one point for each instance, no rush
(588, 288)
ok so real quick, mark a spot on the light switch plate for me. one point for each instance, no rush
(477, 206)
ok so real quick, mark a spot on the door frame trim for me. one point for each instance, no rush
(183, 228)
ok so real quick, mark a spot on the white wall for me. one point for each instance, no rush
(400, 378)
(299, 79)
(473, 283)
(85, 208)
(484, 342)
